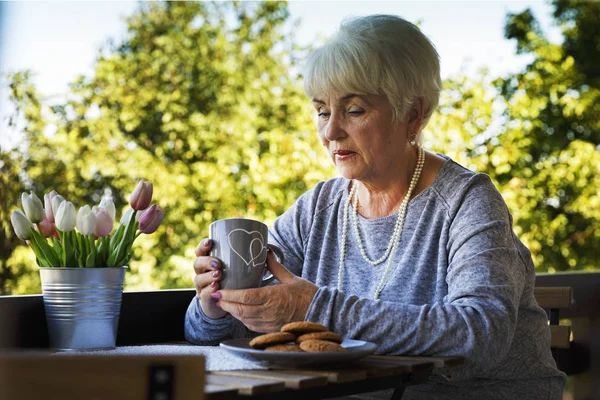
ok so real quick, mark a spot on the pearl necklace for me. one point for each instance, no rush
(393, 244)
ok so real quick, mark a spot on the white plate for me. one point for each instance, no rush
(357, 349)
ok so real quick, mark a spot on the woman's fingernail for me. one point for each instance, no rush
(206, 242)
(213, 284)
(215, 274)
(214, 263)
(216, 295)
(218, 304)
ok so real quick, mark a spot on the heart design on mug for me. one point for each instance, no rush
(256, 246)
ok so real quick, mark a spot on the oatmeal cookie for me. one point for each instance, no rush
(320, 346)
(271, 339)
(303, 327)
(329, 336)
(290, 347)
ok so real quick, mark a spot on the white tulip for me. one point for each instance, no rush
(21, 225)
(56, 200)
(33, 207)
(86, 220)
(127, 215)
(109, 206)
(65, 216)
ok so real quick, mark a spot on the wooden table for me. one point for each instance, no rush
(367, 375)
(184, 371)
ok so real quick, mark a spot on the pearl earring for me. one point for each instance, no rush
(413, 139)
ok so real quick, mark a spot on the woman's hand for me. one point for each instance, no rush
(268, 309)
(207, 274)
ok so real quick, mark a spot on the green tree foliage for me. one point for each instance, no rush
(537, 134)
(552, 119)
(200, 99)
(9, 182)
(203, 100)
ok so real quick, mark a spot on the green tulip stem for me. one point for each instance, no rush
(90, 242)
(61, 238)
(90, 259)
(57, 250)
(81, 250)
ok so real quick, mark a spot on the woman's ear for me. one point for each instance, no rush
(415, 115)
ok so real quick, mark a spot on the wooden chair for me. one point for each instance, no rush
(552, 299)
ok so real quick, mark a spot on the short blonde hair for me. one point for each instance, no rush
(381, 55)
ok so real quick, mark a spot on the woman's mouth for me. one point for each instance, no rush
(343, 155)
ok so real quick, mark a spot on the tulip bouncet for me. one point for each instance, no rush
(60, 236)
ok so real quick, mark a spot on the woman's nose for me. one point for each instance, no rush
(334, 129)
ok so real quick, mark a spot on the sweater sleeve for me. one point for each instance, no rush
(477, 318)
(202, 330)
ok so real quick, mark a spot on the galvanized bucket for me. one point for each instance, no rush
(82, 306)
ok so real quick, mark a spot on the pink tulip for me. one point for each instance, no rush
(150, 220)
(104, 223)
(48, 205)
(141, 196)
(48, 228)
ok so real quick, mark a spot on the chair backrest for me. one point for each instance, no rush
(552, 299)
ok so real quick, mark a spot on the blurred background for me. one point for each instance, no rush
(205, 100)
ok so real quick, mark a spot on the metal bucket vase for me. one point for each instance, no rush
(82, 306)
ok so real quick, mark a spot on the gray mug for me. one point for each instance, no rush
(241, 245)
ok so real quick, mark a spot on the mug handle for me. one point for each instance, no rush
(279, 254)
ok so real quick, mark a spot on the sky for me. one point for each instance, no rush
(60, 40)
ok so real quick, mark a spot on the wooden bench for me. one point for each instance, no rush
(553, 299)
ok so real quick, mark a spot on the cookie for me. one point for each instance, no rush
(290, 347)
(303, 327)
(329, 336)
(271, 339)
(320, 346)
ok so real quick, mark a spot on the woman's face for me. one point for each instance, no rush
(360, 135)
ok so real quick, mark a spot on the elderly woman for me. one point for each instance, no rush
(407, 249)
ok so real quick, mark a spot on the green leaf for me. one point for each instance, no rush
(57, 249)
(116, 237)
(45, 249)
(40, 258)
(125, 243)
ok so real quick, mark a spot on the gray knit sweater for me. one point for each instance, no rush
(461, 284)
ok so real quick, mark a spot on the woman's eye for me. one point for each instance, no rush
(355, 111)
(323, 114)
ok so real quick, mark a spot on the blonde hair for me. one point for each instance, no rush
(381, 55)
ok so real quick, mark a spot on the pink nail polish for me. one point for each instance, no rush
(218, 304)
(216, 295)
(213, 284)
(215, 274)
